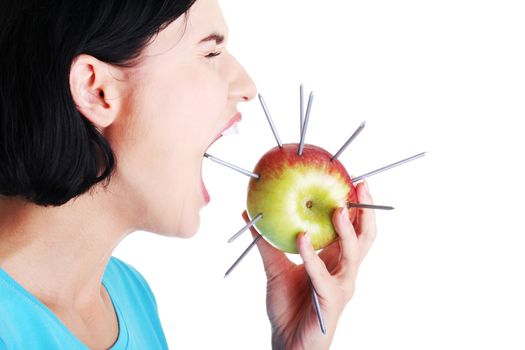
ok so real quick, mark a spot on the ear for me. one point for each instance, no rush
(95, 90)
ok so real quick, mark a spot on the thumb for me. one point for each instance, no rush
(274, 260)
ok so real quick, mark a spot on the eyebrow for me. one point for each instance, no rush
(219, 38)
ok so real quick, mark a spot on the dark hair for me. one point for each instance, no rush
(49, 152)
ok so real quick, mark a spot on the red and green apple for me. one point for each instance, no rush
(299, 194)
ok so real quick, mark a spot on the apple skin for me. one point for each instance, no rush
(299, 194)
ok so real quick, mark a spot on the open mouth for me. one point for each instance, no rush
(231, 128)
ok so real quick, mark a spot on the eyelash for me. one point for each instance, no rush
(213, 54)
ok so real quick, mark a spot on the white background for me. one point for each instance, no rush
(447, 270)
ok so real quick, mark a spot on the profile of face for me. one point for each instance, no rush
(166, 111)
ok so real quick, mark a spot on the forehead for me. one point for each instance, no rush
(203, 19)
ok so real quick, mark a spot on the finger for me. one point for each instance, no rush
(366, 219)
(350, 250)
(315, 267)
(274, 260)
(331, 255)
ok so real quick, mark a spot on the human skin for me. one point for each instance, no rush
(333, 273)
(159, 116)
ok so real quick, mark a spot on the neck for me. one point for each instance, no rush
(59, 254)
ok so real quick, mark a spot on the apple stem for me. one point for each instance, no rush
(347, 143)
(231, 166)
(380, 170)
(267, 113)
(305, 126)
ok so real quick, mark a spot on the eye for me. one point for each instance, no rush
(213, 54)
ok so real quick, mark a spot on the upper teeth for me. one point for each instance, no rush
(232, 130)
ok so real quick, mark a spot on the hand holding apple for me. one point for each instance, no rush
(301, 199)
(333, 273)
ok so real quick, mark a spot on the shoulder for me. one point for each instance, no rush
(25, 323)
(118, 269)
(134, 301)
(125, 282)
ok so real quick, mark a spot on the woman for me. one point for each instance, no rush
(106, 110)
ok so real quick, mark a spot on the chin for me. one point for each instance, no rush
(188, 233)
(178, 218)
(187, 227)
(184, 232)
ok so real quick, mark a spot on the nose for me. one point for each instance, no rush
(242, 87)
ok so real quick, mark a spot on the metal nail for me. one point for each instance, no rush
(359, 178)
(301, 109)
(272, 125)
(250, 224)
(305, 126)
(242, 256)
(231, 166)
(368, 206)
(347, 143)
(315, 300)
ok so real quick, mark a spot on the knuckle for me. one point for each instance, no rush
(309, 256)
(368, 233)
(371, 234)
(345, 230)
(343, 233)
(354, 259)
(318, 261)
(351, 264)
(348, 289)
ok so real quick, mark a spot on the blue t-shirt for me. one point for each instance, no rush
(26, 323)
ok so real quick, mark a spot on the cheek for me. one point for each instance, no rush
(180, 117)
(189, 91)
(160, 155)
(163, 188)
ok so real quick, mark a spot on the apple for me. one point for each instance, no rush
(299, 194)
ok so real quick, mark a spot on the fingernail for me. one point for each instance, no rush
(307, 238)
(366, 187)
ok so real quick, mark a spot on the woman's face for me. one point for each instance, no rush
(178, 100)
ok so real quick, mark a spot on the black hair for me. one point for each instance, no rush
(49, 152)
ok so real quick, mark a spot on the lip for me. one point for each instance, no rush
(236, 118)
